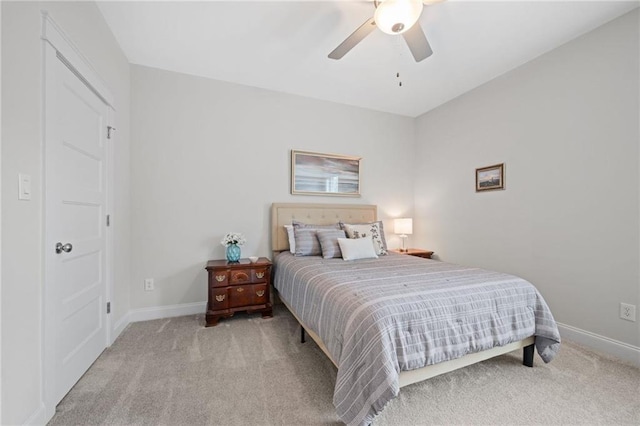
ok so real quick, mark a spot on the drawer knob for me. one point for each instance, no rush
(220, 297)
(259, 274)
(240, 289)
(260, 293)
(220, 278)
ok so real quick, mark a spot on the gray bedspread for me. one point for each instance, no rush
(378, 317)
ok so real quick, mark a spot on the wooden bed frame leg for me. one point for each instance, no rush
(302, 339)
(527, 355)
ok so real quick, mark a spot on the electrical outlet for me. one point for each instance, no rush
(628, 312)
(148, 284)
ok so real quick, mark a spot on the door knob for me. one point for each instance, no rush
(63, 248)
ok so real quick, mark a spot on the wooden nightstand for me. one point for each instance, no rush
(426, 254)
(241, 286)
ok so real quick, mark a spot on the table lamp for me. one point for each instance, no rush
(404, 227)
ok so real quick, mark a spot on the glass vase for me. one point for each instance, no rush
(233, 253)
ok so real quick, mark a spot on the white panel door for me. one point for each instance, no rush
(75, 203)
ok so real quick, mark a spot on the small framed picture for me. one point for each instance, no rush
(490, 178)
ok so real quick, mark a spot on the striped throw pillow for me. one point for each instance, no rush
(307, 243)
(328, 239)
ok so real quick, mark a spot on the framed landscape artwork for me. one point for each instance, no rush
(490, 178)
(313, 173)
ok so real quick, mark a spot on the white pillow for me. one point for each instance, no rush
(292, 238)
(358, 248)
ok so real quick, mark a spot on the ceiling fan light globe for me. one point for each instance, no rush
(397, 16)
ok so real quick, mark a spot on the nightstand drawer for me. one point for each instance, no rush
(240, 295)
(246, 295)
(220, 299)
(259, 275)
(260, 294)
(239, 276)
(219, 278)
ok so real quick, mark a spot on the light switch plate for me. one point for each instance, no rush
(24, 186)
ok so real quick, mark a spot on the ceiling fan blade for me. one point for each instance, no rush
(356, 37)
(417, 42)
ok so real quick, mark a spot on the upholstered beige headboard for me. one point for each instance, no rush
(319, 214)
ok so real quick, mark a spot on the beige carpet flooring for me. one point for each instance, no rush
(254, 371)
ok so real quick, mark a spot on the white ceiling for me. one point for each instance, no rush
(283, 45)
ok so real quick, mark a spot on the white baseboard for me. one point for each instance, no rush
(615, 348)
(119, 327)
(157, 312)
(38, 417)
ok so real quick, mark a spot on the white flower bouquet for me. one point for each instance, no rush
(233, 238)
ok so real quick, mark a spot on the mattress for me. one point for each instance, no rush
(378, 317)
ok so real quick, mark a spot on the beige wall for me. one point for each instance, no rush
(210, 157)
(22, 233)
(566, 125)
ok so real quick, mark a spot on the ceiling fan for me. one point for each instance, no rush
(392, 17)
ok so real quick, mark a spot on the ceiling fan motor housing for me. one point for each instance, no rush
(397, 16)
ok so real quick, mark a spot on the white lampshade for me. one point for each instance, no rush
(403, 226)
(397, 16)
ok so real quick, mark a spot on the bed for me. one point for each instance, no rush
(396, 320)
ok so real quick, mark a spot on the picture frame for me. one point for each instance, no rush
(490, 178)
(314, 173)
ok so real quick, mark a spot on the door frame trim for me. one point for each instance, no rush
(55, 40)
(53, 34)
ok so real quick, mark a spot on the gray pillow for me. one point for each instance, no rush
(295, 223)
(328, 239)
(307, 243)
